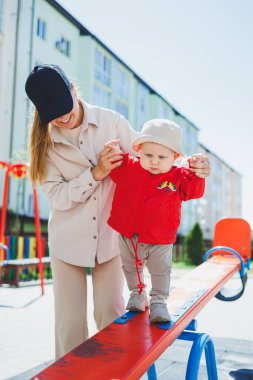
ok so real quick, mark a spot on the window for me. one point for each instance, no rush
(41, 28)
(164, 111)
(119, 89)
(121, 107)
(121, 82)
(142, 104)
(101, 97)
(102, 67)
(63, 45)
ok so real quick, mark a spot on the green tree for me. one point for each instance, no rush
(194, 245)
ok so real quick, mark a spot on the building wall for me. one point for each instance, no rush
(222, 195)
(8, 25)
(39, 31)
(86, 60)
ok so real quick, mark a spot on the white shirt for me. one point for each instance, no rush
(80, 206)
(72, 135)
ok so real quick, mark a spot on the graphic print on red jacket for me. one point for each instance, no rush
(150, 204)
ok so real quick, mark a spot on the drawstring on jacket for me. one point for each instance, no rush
(138, 262)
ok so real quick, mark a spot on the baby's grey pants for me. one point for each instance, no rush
(158, 259)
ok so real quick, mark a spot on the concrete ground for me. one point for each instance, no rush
(27, 334)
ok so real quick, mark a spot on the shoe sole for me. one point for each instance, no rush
(160, 320)
(134, 309)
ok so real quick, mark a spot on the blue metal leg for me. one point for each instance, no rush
(152, 372)
(201, 342)
(211, 361)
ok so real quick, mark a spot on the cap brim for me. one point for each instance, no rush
(58, 108)
(154, 139)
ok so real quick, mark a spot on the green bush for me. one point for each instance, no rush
(194, 245)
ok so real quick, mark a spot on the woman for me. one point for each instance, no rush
(69, 159)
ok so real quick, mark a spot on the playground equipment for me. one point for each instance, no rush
(19, 171)
(129, 346)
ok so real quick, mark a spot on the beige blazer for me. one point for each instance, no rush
(80, 206)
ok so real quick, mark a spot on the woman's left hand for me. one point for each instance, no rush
(199, 165)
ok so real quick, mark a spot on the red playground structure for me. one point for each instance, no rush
(19, 171)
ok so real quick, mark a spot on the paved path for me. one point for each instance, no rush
(27, 330)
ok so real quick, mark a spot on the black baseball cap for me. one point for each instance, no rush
(50, 91)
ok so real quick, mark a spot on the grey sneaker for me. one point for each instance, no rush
(159, 313)
(137, 302)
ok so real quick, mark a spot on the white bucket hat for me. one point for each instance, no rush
(161, 131)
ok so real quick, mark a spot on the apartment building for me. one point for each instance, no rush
(42, 31)
(222, 197)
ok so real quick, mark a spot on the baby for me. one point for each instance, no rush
(146, 211)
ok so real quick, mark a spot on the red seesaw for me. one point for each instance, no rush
(129, 346)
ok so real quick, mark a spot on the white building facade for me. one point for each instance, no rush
(223, 195)
(42, 31)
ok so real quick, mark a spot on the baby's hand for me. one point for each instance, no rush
(195, 159)
(200, 165)
(114, 145)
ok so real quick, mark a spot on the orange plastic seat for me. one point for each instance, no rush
(234, 233)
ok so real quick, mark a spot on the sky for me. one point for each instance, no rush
(199, 56)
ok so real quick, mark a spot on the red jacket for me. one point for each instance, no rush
(150, 205)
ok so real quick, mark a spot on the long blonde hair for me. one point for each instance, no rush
(40, 141)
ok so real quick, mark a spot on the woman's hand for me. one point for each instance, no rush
(114, 144)
(199, 165)
(109, 159)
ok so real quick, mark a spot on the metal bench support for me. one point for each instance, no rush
(152, 373)
(201, 342)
